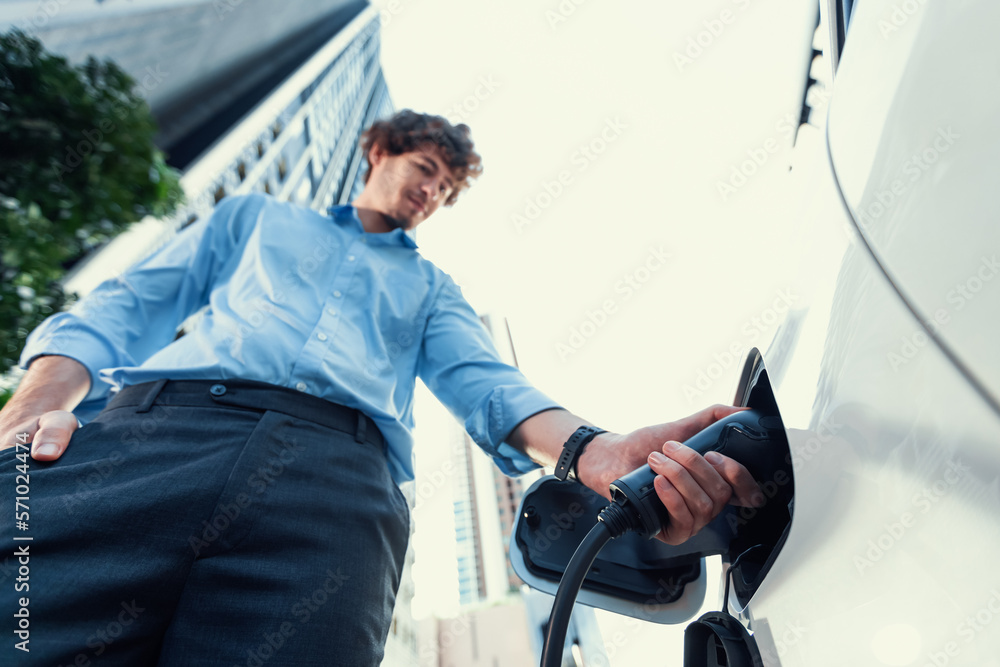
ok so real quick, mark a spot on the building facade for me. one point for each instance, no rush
(501, 622)
(485, 506)
(298, 142)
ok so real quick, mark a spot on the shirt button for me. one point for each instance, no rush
(301, 386)
(331, 311)
(336, 293)
(350, 258)
(321, 336)
(217, 390)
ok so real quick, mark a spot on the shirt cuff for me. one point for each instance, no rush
(71, 339)
(504, 408)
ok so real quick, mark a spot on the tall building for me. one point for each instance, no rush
(200, 64)
(485, 505)
(502, 622)
(250, 96)
(509, 490)
(276, 118)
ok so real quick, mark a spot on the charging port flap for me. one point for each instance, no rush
(633, 576)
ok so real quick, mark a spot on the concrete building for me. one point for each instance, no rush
(502, 621)
(201, 64)
(289, 128)
(485, 505)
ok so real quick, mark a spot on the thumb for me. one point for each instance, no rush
(55, 428)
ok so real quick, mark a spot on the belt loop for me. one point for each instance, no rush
(359, 435)
(151, 395)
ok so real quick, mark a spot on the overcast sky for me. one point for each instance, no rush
(604, 153)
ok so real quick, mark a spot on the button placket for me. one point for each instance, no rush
(341, 280)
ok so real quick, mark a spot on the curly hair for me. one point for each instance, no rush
(408, 130)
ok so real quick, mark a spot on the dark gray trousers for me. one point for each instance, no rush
(224, 523)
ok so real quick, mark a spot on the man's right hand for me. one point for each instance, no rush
(48, 433)
(40, 407)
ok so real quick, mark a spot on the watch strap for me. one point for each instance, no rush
(573, 449)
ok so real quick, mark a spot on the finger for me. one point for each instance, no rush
(680, 526)
(746, 492)
(688, 426)
(702, 473)
(702, 506)
(54, 432)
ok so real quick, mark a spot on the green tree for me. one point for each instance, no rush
(78, 164)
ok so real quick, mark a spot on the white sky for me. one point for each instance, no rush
(655, 185)
(554, 85)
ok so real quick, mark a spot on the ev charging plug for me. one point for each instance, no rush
(748, 436)
(745, 436)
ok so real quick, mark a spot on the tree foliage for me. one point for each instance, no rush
(78, 164)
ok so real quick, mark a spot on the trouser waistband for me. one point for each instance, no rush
(250, 395)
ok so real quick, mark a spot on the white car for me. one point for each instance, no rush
(887, 374)
(888, 380)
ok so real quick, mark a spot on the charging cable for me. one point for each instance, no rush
(745, 436)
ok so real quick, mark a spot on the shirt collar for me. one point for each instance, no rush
(346, 215)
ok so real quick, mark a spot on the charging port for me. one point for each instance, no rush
(760, 533)
(718, 640)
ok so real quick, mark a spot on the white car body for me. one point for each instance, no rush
(887, 377)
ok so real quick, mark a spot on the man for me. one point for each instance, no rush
(236, 503)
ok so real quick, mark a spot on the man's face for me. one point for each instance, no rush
(410, 186)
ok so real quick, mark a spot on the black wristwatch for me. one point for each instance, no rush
(573, 449)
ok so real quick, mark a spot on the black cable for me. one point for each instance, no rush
(612, 522)
(729, 576)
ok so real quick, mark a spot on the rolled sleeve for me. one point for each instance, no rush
(460, 365)
(128, 318)
(70, 335)
(504, 408)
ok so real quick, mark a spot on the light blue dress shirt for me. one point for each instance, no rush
(305, 301)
